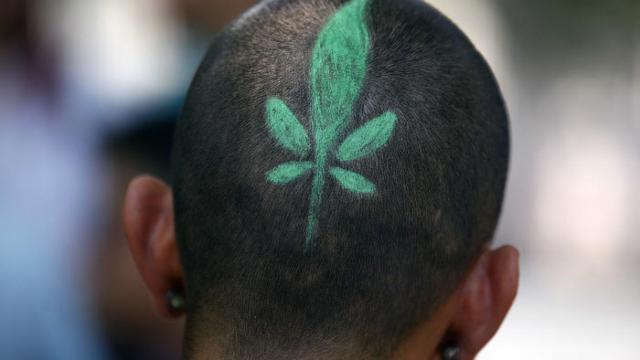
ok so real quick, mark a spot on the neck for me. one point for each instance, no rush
(422, 343)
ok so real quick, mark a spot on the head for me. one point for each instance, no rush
(338, 173)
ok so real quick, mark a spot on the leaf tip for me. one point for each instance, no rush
(369, 138)
(285, 127)
(353, 182)
(288, 172)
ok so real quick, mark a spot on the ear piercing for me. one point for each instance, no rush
(175, 301)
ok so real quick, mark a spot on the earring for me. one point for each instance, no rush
(450, 352)
(175, 301)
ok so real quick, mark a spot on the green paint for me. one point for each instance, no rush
(287, 172)
(338, 69)
(352, 181)
(369, 138)
(286, 128)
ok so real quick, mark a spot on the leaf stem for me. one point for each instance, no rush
(315, 200)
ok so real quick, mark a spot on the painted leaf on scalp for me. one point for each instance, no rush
(368, 138)
(286, 129)
(353, 182)
(338, 67)
(287, 172)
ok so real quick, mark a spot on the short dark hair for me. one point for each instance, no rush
(380, 264)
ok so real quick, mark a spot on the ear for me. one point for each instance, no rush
(486, 296)
(149, 226)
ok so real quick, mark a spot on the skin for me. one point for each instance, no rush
(471, 316)
(122, 302)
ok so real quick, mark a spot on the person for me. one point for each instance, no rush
(48, 186)
(338, 173)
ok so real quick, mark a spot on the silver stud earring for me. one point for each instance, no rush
(175, 301)
(450, 352)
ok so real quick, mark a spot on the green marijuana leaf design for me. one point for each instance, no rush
(338, 68)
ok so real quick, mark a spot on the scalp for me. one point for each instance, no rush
(380, 263)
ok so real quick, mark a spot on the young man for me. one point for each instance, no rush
(339, 169)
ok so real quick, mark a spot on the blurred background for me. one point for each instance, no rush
(89, 91)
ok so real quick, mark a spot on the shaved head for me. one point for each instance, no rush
(337, 168)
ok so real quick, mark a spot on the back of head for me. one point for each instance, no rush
(337, 167)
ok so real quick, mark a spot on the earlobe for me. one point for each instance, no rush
(485, 298)
(149, 226)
